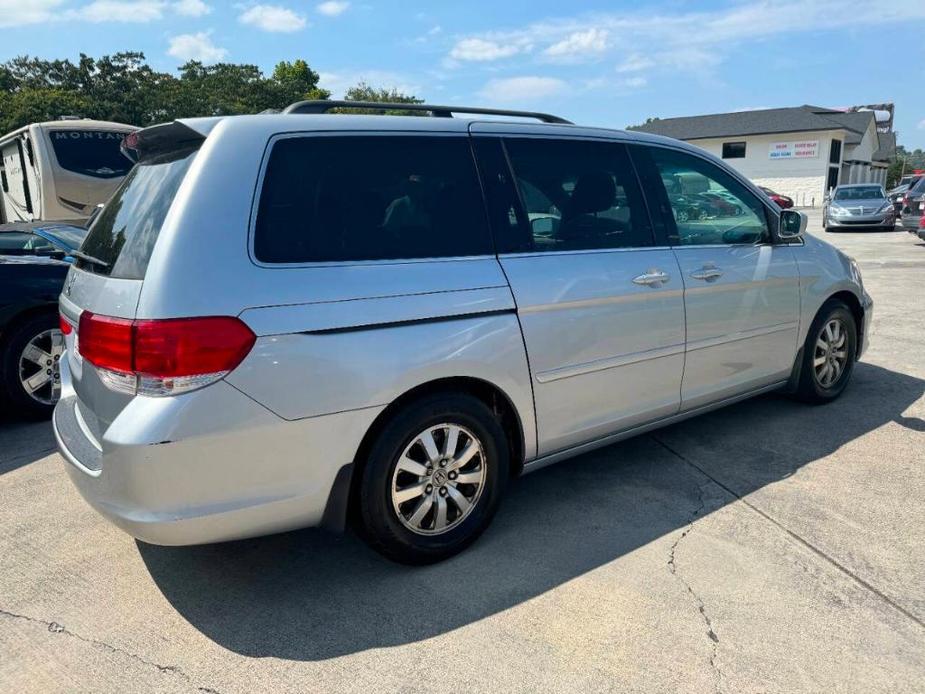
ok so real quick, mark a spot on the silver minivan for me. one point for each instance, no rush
(309, 318)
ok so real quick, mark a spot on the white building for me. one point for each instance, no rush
(800, 152)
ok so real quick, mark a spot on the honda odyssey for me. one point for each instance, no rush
(293, 320)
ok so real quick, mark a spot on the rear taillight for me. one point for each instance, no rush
(65, 327)
(163, 357)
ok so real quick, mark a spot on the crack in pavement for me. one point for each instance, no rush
(794, 536)
(56, 628)
(673, 568)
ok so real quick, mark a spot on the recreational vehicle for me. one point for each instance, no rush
(60, 170)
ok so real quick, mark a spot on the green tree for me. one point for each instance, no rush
(386, 95)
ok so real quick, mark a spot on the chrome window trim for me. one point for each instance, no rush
(258, 189)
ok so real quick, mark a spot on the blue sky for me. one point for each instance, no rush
(601, 63)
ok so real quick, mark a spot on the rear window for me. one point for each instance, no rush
(93, 153)
(124, 234)
(341, 198)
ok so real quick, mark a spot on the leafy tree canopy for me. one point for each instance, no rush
(124, 88)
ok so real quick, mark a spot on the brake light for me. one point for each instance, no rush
(66, 327)
(163, 357)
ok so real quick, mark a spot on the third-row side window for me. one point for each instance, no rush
(353, 198)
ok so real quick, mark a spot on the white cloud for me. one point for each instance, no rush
(273, 18)
(197, 46)
(332, 8)
(921, 125)
(579, 44)
(191, 8)
(476, 49)
(634, 82)
(635, 62)
(694, 41)
(18, 13)
(127, 11)
(522, 89)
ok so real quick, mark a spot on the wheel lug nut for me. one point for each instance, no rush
(453, 475)
(442, 491)
(429, 488)
(442, 463)
(48, 362)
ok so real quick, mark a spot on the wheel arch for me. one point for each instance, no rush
(851, 300)
(341, 501)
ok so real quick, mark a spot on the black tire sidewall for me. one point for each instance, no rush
(17, 399)
(810, 389)
(379, 524)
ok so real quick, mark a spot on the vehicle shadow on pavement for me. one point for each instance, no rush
(22, 443)
(308, 595)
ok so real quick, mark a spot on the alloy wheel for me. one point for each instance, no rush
(830, 356)
(438, 479)
(39, 367)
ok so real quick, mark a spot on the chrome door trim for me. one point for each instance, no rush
(546, 460)
(608, 363)
(741, 335)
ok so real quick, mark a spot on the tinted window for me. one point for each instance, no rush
(578, 195)
(124, 234)
(835, 152)
(370, 198)
(708, 205)
(90, 152)
(733, 150)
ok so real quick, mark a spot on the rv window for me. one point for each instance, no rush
(90, 152)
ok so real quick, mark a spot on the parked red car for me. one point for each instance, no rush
(782, 201)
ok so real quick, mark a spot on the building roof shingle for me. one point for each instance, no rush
(762, 122)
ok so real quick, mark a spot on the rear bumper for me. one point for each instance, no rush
(207, 466)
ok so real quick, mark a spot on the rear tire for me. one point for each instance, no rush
(414, 506)
(828, 354)
(30, 356)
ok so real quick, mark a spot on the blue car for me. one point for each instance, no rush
(34, 260)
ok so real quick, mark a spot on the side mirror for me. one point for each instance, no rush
(544, 226)
(792, 225)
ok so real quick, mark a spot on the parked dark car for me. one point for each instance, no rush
(897, 194)
(782, 201)
(34, 260)
(913, 206)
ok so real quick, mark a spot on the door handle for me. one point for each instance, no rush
(708, 273)
(652, 278)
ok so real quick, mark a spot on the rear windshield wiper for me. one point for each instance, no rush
(89, 258)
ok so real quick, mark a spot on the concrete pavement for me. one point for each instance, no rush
(769, 546)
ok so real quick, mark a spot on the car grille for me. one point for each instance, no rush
(863, 210)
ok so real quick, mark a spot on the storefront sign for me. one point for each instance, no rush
(807, 149)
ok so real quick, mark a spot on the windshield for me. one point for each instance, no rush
(63, 235)
(859, 193)
(90, 152)
(123, 236)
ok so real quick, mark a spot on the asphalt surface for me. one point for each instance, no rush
(770, 546)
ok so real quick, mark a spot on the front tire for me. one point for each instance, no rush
(828, 354)
(433, 479)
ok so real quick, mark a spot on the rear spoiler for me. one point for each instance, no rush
(160, 139)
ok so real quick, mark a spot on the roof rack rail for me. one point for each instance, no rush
(324, 106)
